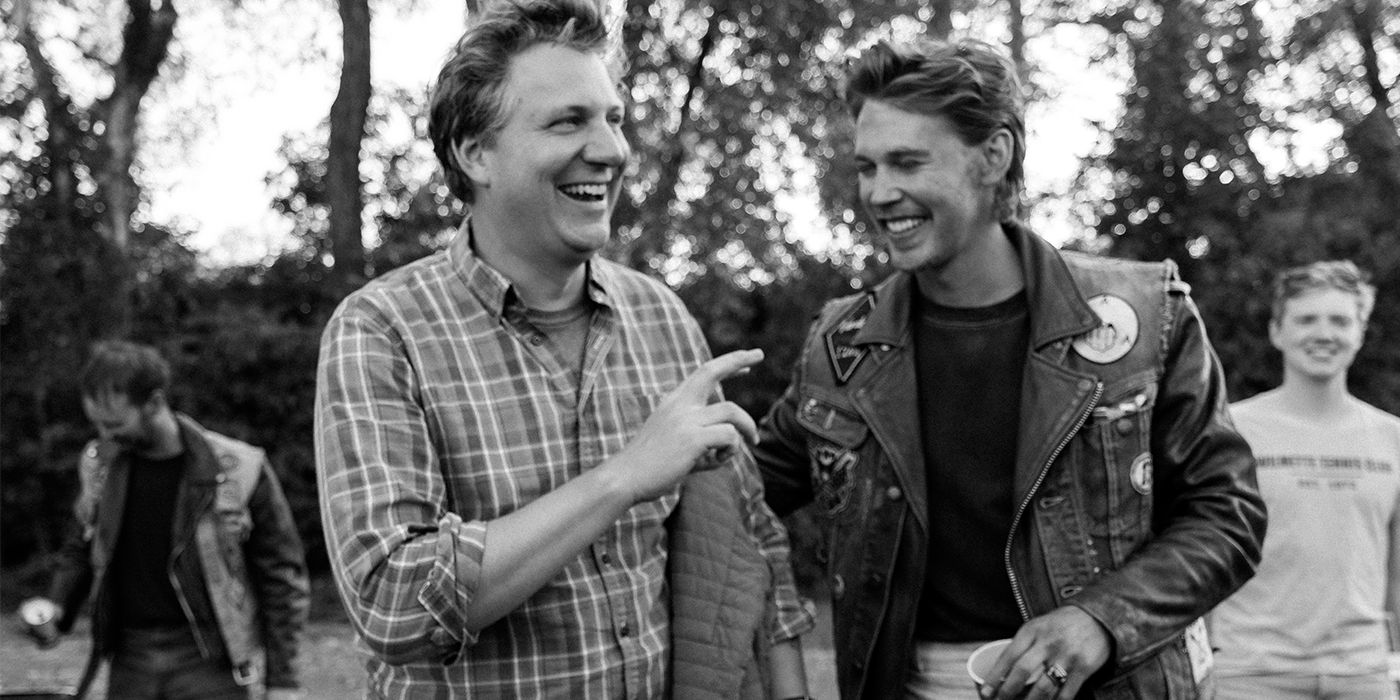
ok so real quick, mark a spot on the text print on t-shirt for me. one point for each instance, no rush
(1323, 471)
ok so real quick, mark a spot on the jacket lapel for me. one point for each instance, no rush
(113, 500)
(883, 397)
(1053, 396)
(197, 487)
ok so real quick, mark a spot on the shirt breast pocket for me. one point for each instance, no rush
(833, 450)
(1116, 472)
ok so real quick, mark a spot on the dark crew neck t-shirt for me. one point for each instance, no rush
(142, 592)
(970, 362)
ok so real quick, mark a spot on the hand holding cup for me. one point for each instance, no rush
(40, 617)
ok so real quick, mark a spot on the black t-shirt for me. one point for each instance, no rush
(970, 363)
(142, 593)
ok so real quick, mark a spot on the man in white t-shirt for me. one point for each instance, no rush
(1312, 621)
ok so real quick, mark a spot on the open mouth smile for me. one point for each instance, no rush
(902, 224)
(586, 191)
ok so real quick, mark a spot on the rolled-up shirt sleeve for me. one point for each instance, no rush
(405, 566)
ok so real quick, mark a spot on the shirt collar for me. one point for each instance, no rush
(495, 292)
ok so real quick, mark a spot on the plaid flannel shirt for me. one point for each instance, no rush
(439, 408)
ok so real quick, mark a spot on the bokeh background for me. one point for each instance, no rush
(213, 176)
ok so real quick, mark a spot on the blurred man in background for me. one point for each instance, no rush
(183, 542)
(1312, 622)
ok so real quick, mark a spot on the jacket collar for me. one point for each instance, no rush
(1057, 308)
(202, 466)
(198, 482)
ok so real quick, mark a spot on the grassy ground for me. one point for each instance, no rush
(333, 664)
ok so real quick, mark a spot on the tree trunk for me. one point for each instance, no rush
(1016, 18)
(1375, 140)
(344, 193)
(1365, 20)
(941, 25)
(145, 44)
(62, 139)
(649, 242)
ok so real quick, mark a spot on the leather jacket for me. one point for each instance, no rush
(1135, 498)
(236, 560)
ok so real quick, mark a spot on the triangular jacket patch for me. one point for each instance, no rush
(846, 357)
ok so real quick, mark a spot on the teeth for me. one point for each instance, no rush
(586, 191)
(902, 225)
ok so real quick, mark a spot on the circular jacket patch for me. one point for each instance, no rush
(1140, 474)
(1116, 334)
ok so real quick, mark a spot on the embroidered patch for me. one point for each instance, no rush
(831, 475)
(1116, 334)
(844, 356)
(1140, 474)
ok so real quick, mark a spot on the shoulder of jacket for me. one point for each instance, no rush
(92, 463)
(92, 453)
(837, 307)
(238, 460)
(1108, 272)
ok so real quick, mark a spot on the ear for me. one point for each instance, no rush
(996, 156)
(470, 154)
(1273, 335)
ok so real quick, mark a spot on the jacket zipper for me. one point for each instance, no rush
(1021, 511)
(176, 550)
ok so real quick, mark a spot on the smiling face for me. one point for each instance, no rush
(1319, 334)
(547, 182)
(930, 195)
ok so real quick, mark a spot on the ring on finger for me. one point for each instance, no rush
(1056, 673)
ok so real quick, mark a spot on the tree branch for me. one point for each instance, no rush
(648, 243)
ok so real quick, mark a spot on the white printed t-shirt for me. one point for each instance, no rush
(1316, 605)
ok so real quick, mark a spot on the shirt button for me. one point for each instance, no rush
(893, 493)
(537, 339)
(626, 630)
(838, 586)
(1124, 426)
(1051, 501)
(605, 558)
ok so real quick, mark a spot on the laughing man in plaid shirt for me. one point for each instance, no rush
(503, 428)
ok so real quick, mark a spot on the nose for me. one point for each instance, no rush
(607, 146)
(879, 190)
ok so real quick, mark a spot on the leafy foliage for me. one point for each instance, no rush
(1188, 182)
(741, 196)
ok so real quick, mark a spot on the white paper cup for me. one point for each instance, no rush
(39, 619)
(979, 665)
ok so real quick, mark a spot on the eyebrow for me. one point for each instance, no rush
(897, 153)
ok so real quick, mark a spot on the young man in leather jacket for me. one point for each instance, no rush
(1007, 441)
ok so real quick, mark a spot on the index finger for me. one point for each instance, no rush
(706, 378)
